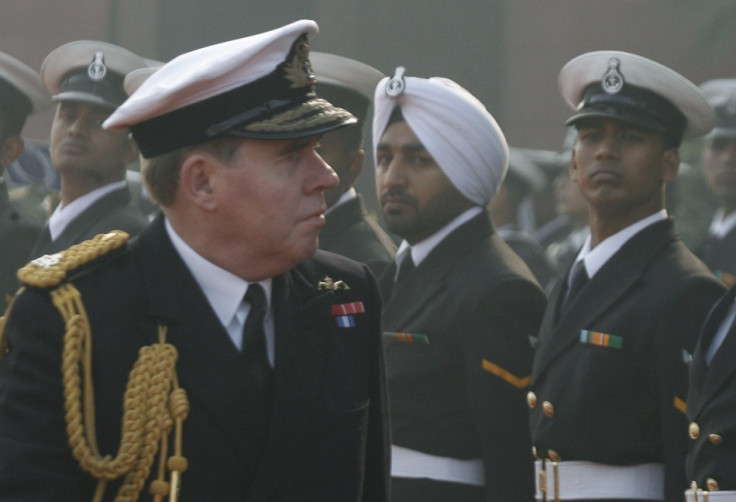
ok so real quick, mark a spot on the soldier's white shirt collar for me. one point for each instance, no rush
(596, 258)
(720, 227)
(421, 250)
(224, 291)
(64, 214)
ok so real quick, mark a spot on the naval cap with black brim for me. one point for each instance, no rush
(636, 90)
(21, 90)
(721, 94)
(260, 86)
(89, 71)
(345, 82)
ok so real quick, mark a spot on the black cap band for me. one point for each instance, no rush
(107, 92)
(217, 115)
(634, 105)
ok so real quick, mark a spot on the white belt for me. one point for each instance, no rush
(571, 480)
(406, 463)
(705, 496)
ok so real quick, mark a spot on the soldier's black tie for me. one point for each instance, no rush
(578, 279)
(254, 335)
(260, 384)
(405, 267)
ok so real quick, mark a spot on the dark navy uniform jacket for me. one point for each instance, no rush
(712, 405)
(18, 233)
(461, 394)
(720, 256)
(620, 399)
(113, 211)
(328, 435)
(351, 232)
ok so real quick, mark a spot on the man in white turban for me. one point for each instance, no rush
(460, 306)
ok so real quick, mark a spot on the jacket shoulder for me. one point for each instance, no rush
(49, 271)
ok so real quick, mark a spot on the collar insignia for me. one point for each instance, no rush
(612, 81)
(327, 284)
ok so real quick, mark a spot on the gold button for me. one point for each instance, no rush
(694, 430)
(548, 409)
(553, 455)
(715, 439)
(531, 399)
(712, 484)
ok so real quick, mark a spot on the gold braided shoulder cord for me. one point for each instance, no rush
(153, 402)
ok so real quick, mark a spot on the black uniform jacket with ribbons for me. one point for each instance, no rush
(328, 435)
(17, 235)
(457, 381)
(720, 256)
(351, 232)
(113, 211)
(610, 374)
(712, 405)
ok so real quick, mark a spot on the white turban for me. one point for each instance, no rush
(454, 127)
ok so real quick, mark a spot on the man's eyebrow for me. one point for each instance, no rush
(298, 144)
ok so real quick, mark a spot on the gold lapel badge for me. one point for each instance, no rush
(327, 284)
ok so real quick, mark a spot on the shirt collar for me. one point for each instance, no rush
(224, 290)
(596, 258)
(65, 214)
(722, 226)
(421, 250)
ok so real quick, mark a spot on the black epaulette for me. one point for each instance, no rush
(49, 271)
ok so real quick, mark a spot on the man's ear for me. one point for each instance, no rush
(10, 150)
(573, 167)
(195, 180)
(671, 165)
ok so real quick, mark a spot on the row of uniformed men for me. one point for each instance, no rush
(609, 380)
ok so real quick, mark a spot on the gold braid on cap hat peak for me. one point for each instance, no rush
(311, 113)
(153, 402)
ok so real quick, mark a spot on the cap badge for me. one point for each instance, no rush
(396, 84)
(96, 71)
(298, 69)
(612, 81)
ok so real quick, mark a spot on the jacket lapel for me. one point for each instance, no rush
(409, 298)
(77, 227)
(710, 379)
(209, 366)
(612, 281)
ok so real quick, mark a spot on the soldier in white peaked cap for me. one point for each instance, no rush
(85, 79)
(609, 386)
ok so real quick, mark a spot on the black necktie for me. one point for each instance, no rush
(259, 374)
(578, 279)
(254, 335)
(405, 267)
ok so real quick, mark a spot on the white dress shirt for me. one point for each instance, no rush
(225, 292)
